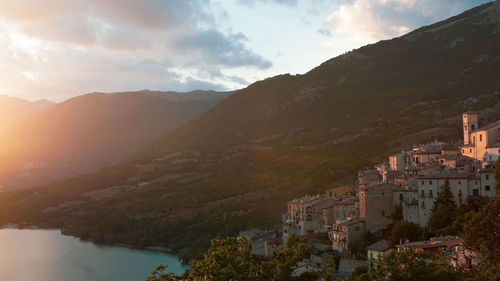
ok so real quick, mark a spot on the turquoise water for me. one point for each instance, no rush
(47, 255)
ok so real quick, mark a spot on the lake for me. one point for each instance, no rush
(47, 255)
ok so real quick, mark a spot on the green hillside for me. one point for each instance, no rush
(235, 166)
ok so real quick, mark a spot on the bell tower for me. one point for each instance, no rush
(470, 122)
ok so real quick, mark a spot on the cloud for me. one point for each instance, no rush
(219, 49)
(372, 20)
(251, 3)
(60, 47)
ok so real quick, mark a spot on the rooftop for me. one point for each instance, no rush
(380, 246)
(490, 126)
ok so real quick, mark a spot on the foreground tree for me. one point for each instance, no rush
(409, 266)
(404, 230)
(444, 211)
(482, 234)
(231, 259)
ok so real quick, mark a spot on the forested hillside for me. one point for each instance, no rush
(235, 166)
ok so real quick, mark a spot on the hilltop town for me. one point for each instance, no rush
(351, 226)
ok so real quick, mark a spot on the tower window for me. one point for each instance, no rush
(480, 137)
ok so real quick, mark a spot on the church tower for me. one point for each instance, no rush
(470, 121)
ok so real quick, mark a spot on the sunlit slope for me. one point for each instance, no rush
(13, 110)
(88, 132)
(235, 166)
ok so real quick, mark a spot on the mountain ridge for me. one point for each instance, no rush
(235, 166)
(90, 131)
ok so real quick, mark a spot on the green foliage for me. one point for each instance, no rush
(409, 266)
(481, 232)
(230, 259)
(404, 230)
(358, 247)
(444, 211)
(397, 213)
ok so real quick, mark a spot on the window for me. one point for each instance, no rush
(487, 188)
(383, 194)
(400, 196)
(460, 200)
(487, 177)
(423, 204)
(423, 193)
(475, 192)
(459, 182)
(460, 193)
(423, 182)
(472, 127)
(356, 228)
(463, 151)
(383, 213)
(430, 181)
(470, 150)
(480, 137)
(430, 193)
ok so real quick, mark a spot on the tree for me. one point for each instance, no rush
(231, 259)
(444, 211)
(409, 265)
(397, 213)
(482, 234)
(283, 263)
(405, 230)
(227, 259)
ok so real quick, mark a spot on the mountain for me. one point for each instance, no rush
(90, 131)
(235, 166)
(12, 110)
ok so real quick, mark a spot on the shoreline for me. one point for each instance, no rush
(162, 249)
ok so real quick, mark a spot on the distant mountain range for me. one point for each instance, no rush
(13, 110)
(90, 131)
(236, 165)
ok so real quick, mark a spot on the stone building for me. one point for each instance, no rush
(375, 205)
(376, 251)
(480, 143)
(344, 231)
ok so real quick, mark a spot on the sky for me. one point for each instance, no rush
(57, 49)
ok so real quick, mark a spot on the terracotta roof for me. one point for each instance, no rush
(380, 246)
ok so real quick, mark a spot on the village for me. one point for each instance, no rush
(336, 225)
